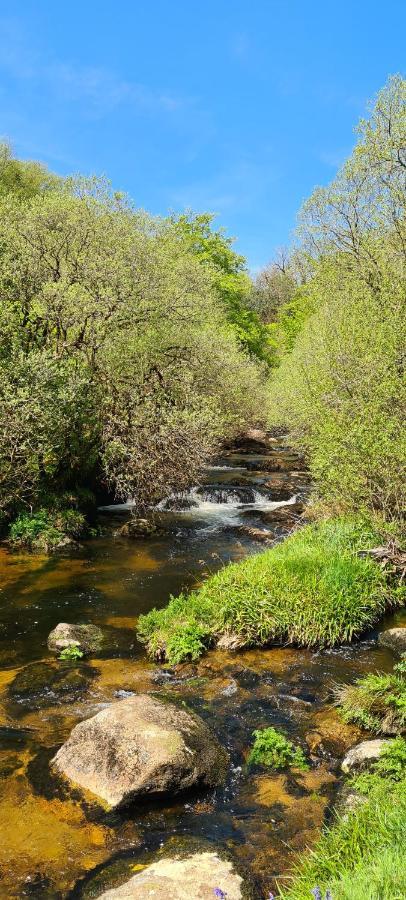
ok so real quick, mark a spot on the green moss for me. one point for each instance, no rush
(312, 590)
(272, 749)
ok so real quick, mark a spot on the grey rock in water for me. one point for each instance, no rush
(141, 747)
(86, 637)
(361, 756)
(194, 877)
(394, 638)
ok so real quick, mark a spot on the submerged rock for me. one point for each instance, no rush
(195, 877)
(256, 534)
(329, 735)
(86, 637)
(141, 747)
(43, 684)
(394, 638)
(361, 756)
(138, 528)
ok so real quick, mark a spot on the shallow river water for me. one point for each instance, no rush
(56, 845)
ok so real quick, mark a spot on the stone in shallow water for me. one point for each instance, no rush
(394, 638)
(195, 877)
(141, 747)
(86, 637)
(361, 756)
(45, 683)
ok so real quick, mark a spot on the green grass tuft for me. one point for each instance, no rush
(312, 590)
(361, 857)
(376, 702)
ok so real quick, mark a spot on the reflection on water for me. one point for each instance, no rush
(52, 838)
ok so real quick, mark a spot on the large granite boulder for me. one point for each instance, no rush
(141, 747)
(86, 638)
(394, 638)
(363, 755)
(196, 877)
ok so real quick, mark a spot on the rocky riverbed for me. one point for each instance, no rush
(249, 825)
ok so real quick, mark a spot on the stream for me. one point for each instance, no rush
(57, 845)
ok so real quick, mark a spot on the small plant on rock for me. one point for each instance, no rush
(272, 749)
(72, 653)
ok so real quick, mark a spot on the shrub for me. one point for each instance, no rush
(377, 702)
(310, 590)
(46, 528)
(272, 749)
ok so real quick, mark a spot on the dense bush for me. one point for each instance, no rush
(119, 359)
(311, 590)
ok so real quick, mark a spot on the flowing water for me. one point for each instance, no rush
(56, 845)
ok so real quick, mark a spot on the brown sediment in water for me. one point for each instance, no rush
(52, 838)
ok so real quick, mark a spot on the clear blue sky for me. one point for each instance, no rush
(235, 106)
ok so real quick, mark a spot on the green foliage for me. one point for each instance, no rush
(272, 749)
(341, 389)
(362, 854)
(312, 590)
(46, 528)
(186, 643)
(118, 363)
(23, 179)
(377, 702)
(391, 766)
(229, 278)
(71, 653)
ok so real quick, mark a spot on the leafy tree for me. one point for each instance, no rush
(229, 277)
(342, 387)
(23, 179)
(117, 361)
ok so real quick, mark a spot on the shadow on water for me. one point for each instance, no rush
(54, 843)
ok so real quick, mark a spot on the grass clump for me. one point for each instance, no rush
(376, 702)
(272, 749)
(312, 590)
(361, 857)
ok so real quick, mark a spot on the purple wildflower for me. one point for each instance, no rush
(219, 893)
(316, 893)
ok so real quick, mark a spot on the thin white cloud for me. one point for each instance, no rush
(238, 188)
(99, 88)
